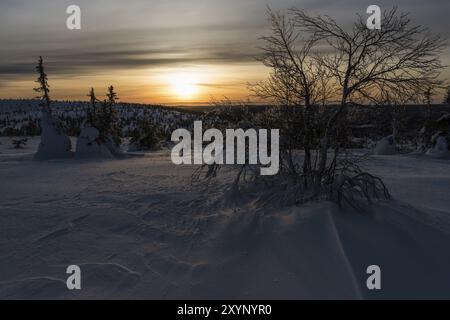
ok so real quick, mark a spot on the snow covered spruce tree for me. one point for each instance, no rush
(54, 143)
(91, 112)
(91, 143)
(146, 136)
(101, 136)
(111, 116)
(108, 123)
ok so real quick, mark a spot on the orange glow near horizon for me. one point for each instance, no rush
(178, 85)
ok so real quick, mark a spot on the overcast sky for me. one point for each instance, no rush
(138, 44)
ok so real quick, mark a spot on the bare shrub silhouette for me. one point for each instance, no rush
(318, 70)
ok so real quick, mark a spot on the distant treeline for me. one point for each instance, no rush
(21, 117)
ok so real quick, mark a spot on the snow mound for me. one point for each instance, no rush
(89, 147)
(385, 146)
(53, 145)
(440, 149)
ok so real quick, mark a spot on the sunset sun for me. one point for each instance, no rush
(184, 85)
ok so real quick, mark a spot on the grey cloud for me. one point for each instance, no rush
(147, 33)
(72, 62)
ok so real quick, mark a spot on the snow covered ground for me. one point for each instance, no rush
(139, 229)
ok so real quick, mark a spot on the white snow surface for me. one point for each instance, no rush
(138, 229)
